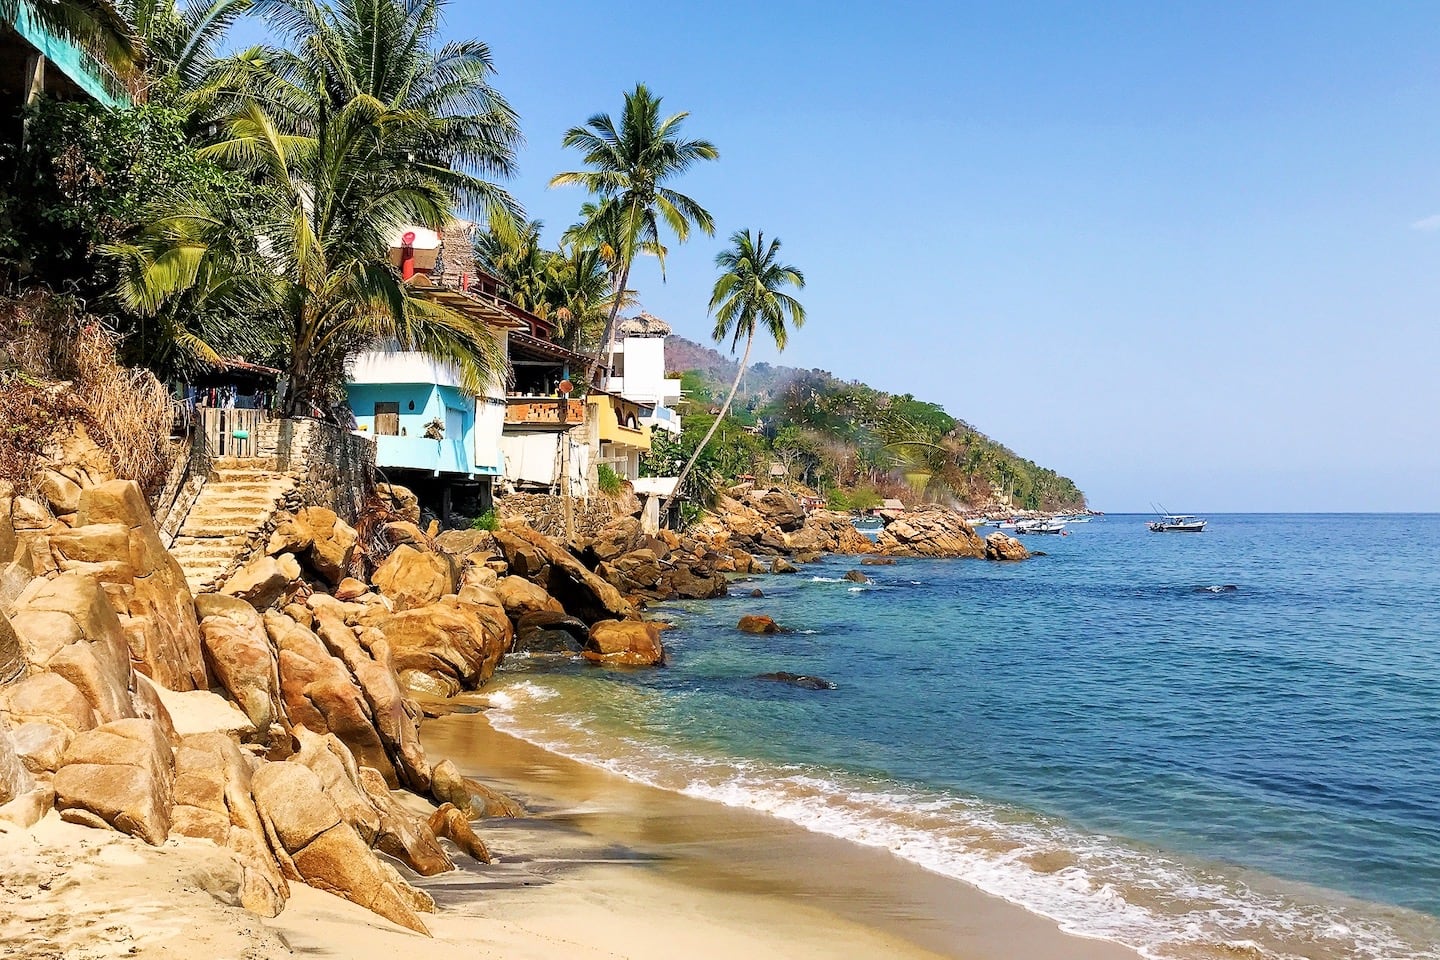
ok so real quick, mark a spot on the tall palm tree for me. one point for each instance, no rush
(347, 144)
(511, 249)
(629, 169)
(748, 294)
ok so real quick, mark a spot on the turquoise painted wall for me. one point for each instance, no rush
(88, 73)
(453, 454)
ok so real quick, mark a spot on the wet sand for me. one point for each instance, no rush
(759, 884)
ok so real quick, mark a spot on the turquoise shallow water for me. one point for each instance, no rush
(1092, 733)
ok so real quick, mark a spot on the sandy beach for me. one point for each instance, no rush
(603, 868)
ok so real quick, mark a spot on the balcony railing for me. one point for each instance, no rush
(543, 412)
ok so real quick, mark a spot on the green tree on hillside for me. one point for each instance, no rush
(629, 169)
(749, 293)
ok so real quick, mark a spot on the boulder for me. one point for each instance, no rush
(520, 597)
(463, 544)
(413, 578)
(752, 623)
(448, 786)
(263, 580)
(48, 698)
(317, 846)
(320, 693)
(800, 680)
(550, 632)
(615, 538)
(878, 562)
(373, 667)
(121, 774)
(632, 643)
(399, 499)
(781, 565)
(12, 655)
(580, 592)
(524, 558)
(40, 746)
(447, 821)
(291, 535)
(488, 802)
(333, 543)
(855, 576)
(448, 646)
(15, 779)
(780, 510)
(350, 589)
(403, 531)
(147, 587)
(240, 656)
(1000, 547)
(213, 801)
(404, 837)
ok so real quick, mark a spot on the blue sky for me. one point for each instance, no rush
(1184, 253)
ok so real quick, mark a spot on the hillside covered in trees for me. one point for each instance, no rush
(854, 443)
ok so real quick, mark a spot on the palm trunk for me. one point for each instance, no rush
(604, 355)
(744, 360)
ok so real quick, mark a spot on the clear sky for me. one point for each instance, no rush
(1179, 252)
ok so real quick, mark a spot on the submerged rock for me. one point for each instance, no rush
(800, 680)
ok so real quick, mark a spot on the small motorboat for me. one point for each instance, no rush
(1040, 526)
(1177, 523)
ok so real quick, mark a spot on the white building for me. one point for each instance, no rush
(638, 371)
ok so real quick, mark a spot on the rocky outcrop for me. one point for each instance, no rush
(630, 643)
(316, 846)
(449, 822)
(772, 522)
(930, 533)
(446, 647)
(263, 581)
(579, 591)
(756, 623)
(1000, 547)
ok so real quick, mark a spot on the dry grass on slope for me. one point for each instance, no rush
(58, 367)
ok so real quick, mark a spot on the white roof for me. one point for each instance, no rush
(422, 238)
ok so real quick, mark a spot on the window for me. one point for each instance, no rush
(387, 419)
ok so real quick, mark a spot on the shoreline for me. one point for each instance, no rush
(794, 884)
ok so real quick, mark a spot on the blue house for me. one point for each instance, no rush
(420, 418)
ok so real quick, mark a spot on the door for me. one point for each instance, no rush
(387, 419)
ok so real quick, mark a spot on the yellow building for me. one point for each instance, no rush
(617, 432)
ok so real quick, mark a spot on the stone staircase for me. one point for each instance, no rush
(233, 513)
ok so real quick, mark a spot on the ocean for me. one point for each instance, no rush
(1106, 735)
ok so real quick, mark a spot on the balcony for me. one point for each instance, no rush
(543, 412)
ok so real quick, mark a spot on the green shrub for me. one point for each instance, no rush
(486, 521)
(609, 481)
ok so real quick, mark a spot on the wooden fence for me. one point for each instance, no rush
(230, 433)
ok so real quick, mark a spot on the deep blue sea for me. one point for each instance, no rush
(1094, 734)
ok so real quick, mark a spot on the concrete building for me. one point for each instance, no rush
(637, 371)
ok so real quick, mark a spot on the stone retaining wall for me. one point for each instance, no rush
(335, 468)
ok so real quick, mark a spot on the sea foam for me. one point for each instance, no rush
(1091, 885)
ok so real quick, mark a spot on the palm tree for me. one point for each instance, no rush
(459, 131)
(749, 293)
(181, 41)
(630, 167)
(346, 144)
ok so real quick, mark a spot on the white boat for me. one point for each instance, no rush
(1177, 523)
(1040, 526)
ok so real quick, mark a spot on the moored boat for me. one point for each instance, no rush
(1177, 523)
(1054, 526)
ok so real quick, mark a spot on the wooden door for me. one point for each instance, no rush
(387, 419)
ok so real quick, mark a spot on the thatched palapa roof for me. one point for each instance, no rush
(644, 325)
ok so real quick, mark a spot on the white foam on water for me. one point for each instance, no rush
(1089, 884)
